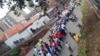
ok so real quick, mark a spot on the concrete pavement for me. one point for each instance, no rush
(72, 27)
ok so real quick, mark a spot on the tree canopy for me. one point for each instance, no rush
(13, 4)
(21, 3)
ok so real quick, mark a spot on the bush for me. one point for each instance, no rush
(83, 32)
(83, 52)
(14, 52)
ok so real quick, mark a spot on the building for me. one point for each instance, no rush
(9, 19)
(15, 30)
(12, 26)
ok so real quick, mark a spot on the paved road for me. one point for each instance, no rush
(72, 27)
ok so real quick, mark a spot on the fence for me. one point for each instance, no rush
(95, 6)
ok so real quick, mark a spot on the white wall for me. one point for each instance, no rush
(10, 41)
(25, 34)
(28, 29)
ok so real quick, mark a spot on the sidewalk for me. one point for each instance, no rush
(72, 27)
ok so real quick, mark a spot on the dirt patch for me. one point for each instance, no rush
(92, 28)
(93, 38)
(93, 35)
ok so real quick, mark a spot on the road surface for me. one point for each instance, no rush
(72, 27)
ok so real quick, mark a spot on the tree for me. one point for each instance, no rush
(30, 2)
(22, 4)
(1, 3)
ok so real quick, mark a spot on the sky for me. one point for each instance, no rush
(3, 11)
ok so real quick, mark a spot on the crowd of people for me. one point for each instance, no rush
(56, 37)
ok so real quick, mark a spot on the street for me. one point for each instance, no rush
(71, 27)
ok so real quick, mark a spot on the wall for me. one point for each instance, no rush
(27, 33)
(10, 41)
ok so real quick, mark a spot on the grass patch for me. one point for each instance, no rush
(84, 9)
(83, 32)
(83, 49)
(82, 43)
(83, 52)
(86, 12)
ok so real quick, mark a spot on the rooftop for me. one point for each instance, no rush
(17, 28)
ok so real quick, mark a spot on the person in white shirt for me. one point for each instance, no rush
(36, 50)
(69, 47)
(48, 54)
(63, 26)
(40, 53)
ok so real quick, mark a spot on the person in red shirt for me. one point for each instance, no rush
(54, 44)
(43, 48)
(54, 34)
(50, 40)
(59, 35)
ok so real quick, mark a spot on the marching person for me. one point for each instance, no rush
(40, 42)
(34, 55)
(36, 50)
(50, 40)
(47, 46)
(62, 29)
(41, 53)
(54, 44)
(43, 49)
(59, 35)
(79, 25)
(53, 51)
(48, 54)
(76, 37)
(69, 47)
(71, 55)
(58, 42)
